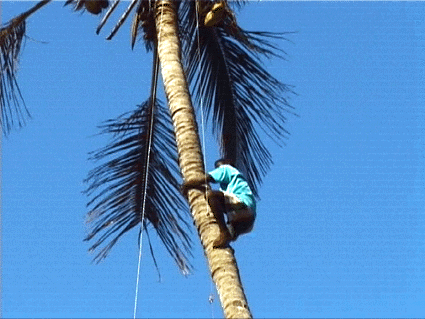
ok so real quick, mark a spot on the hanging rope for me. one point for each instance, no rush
(211, 295)
(202, 100)
(153, 100)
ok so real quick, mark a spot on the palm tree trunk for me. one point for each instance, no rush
(222, 262)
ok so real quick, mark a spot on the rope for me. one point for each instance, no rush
(153, 96)
(211, 295)
(202, 100)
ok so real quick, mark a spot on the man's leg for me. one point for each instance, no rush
(240, 222)
(216, 201)
(240, 218)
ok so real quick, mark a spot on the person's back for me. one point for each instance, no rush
(232, 182)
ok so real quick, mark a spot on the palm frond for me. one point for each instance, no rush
(144, 22)
(225, 72)
(107, 15)
(11, 101)
(77, 5)
(117, 186)
(143, 19)
(122, 19)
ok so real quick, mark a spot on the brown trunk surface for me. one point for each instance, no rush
(222, 262)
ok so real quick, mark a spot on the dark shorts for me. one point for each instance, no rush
(239, 215)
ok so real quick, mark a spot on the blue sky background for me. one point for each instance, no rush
(340, 227)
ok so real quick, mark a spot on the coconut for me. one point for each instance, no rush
(95, 6)
(215, 15)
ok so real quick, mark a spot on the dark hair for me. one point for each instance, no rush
(223, 161)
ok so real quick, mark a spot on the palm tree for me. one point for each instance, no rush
(200, 49)
(221, 262)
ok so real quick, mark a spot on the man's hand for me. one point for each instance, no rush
(199, 182)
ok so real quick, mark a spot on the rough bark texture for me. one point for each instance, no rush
(222, 262)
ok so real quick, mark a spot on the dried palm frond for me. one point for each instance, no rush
(107, 15)
(144, 21)
(11, 101)
(122, 19)
(225, 73)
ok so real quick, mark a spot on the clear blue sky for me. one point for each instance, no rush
(340, 227)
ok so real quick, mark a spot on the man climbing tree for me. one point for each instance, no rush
(235, 199)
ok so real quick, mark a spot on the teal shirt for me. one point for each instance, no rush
(232, 181)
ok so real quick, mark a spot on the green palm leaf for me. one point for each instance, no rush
(118, 185)
(225, 72)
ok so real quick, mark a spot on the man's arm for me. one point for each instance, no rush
(199, 182)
